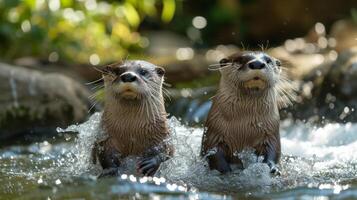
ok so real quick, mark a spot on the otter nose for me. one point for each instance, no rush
(128, 77)
(256, 65)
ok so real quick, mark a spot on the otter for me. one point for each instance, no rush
(134, 118)
(244, 112)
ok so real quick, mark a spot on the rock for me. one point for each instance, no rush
(32, 100)
(331, 91)
(341, 80)
(82, 72)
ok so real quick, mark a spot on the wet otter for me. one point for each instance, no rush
(134, 118)
(244, 111)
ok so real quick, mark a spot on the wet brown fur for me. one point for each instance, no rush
(133, 127)
(130, 130)
(238, 120)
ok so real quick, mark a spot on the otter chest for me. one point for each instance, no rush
(134, 139)
(249, 132)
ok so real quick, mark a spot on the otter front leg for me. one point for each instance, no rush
(219, 160)
(108, 158)
(271, 153)
(153, 158)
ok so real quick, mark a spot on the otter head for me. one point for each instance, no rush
(251, 72)
(133, 80)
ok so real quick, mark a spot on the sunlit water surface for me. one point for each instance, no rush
(316, 162)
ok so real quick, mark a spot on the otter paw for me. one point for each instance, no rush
(224, 167)
(274, 169)
(109, 172)
(148, 166)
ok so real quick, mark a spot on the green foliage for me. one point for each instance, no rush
(73, 30)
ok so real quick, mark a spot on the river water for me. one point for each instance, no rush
(318, 162)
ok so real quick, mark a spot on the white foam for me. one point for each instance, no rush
(310, 156)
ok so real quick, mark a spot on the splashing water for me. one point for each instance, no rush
(315, 162)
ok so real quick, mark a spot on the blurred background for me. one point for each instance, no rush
(49, 50)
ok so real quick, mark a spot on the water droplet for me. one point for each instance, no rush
(199, 22)
(58, 181)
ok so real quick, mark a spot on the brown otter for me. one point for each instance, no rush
(244, 111)
(134, 118)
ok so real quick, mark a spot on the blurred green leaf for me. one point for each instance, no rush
(168, 10)
(67, 3)
(131, 15)
(73, 29)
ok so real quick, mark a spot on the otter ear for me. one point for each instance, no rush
(278, 62)
(106, 69)
(160, 71)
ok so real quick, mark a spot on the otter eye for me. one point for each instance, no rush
(160, 71)
(143, 72)
(223, 61)
(268, 60)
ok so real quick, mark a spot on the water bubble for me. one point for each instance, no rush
(199, 22)
(13, 15)
(53, 57)
(184, 53)
(346, 109)
(214, 55)
(132, 178)
(333, 55)
(290, 45)
(26, 26)
(143, 180)
(144, 42)
(54, 5)
(332, 42)
(124, 176)
(58, 181)
(322, 42)
(40, 180)
(94, 59)
(91, 4)
(320, 28)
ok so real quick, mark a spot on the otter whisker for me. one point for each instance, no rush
(264, 48)
(93, 82)
(285, 97)
(94, 104)
(92, 96)
(216, 64)
(101, 71)
(163, 90)
(243, 46)
(158, 101)
(98, 87)
(220, 67)
(155, 97)
(166, 84)
(167, 94)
